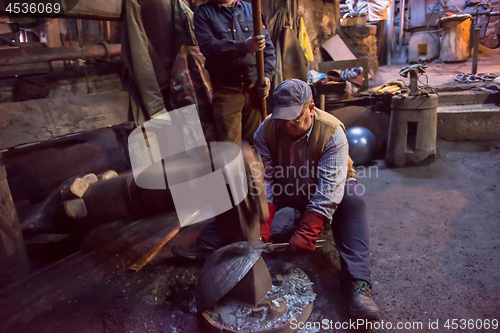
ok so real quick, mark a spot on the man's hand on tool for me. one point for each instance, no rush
(263, 92)
(310, 227)
(265, 226)
(255, 44)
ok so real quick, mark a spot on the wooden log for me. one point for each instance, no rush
(107, 175)
(91, 178)
(75, 208)
(45, 119)
(13, 259)
(75, 189)
(79, 187)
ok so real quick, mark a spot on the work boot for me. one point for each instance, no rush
(199, 250)
(361, 304)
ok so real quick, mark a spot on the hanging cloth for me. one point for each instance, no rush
(153, 32)
(305, 44)
(289, 55)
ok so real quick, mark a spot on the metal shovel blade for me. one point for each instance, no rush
(222, 271)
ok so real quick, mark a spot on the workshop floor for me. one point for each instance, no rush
(435, 243)
(441, 75)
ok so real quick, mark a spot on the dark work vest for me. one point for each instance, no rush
(323, 128)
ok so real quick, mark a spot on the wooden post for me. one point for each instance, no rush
(54, 39)
(257, 26)
(79, 31)
(107, 30)
(13, 259)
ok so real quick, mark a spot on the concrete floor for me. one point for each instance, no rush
(435, 242)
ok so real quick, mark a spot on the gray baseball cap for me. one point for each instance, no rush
(289, 99)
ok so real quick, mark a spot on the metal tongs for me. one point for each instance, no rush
(271, 247)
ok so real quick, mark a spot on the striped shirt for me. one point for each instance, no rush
(298, 172)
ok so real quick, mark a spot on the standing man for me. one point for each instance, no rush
(307, 167)
(376, 10)
(224, 30)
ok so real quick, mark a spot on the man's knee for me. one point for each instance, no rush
(353, 195)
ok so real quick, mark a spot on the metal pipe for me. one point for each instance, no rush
(475, 53)
(18, 56)
(485, 14)
(401, 24)
(414, 82)
(390, 32)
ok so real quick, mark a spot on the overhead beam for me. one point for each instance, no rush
(18, 56)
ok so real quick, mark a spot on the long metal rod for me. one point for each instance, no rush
(475, 53)
(257, 25)
(401, 24)
(390, 33)
(153, 252)
(18, 56)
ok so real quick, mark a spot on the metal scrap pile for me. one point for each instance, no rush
(295, 294)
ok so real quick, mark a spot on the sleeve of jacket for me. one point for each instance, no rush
(267, 161)
(269, 57)
(210, 46)
(140, 61)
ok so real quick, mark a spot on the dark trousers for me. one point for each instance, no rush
(381, 43)
(235, 114)
(351, 234)
(350, 231)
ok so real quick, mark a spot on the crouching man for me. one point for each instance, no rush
(302, 146)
